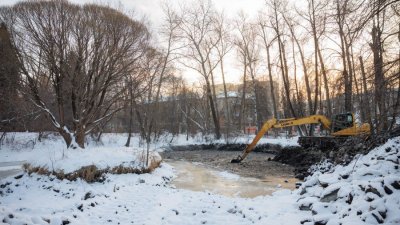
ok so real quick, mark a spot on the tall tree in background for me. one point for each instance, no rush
(292, 25)
(248, 44)
(223, 47)
(377, 47)
(198, 36)
(276, 7)
(312, 20)
(9, 80)
(268, 41)
(350, 24)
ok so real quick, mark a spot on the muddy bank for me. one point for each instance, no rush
(272, 159)
(303, 158)
(264, 160)
(257, 164)
(265, 148)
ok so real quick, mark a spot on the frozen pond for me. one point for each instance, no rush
(200, 177)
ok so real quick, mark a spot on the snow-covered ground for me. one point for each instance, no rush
(367, 191)
(53, 152)
(135, 199)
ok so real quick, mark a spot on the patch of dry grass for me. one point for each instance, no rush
(91, 173)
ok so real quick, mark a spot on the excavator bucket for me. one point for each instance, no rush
(267, 125)
(237, 160)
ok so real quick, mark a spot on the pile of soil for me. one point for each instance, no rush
(303, 158)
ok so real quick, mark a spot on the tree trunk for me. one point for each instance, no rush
(380, 87)
(349, 85)
(396, 105)
(128, 141)
(305, 71)
(282, 59)
(80, 137)
(366, 105)
(284, 69)
(259, 121)
(359, 97)
(214, 94)
(299, 109)
(213, 111)
(271, 84)
(314, 33)
(243, 100)
(347, 78)
(227, 111)
(326, 85)
(66, 136)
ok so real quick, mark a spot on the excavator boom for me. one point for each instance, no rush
(267, 125)
(346, 126)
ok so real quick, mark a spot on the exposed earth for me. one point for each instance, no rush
(257, 164)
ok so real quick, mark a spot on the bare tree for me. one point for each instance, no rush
(197, 33)
(9, 81)
(292, 27)
(223, 47)
(81, 53)
(276, 7)
(377, 47)
(268, 41)
(247, 42)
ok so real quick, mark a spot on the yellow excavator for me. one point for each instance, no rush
(340, 128)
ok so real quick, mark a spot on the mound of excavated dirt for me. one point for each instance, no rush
(302, 159)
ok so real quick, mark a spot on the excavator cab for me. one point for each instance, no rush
(342, 121)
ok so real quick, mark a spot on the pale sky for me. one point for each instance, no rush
(151, 9)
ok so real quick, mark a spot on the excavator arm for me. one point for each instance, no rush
(274, 123)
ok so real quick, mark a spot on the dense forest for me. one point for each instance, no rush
(83, 70)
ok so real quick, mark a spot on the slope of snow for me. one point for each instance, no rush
(24, 146)
(53, 154)
(367, 191)
(135, 199)
(123, 199)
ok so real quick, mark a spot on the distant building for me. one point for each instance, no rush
(235, 95)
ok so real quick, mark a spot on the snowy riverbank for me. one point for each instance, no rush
(366, 191)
